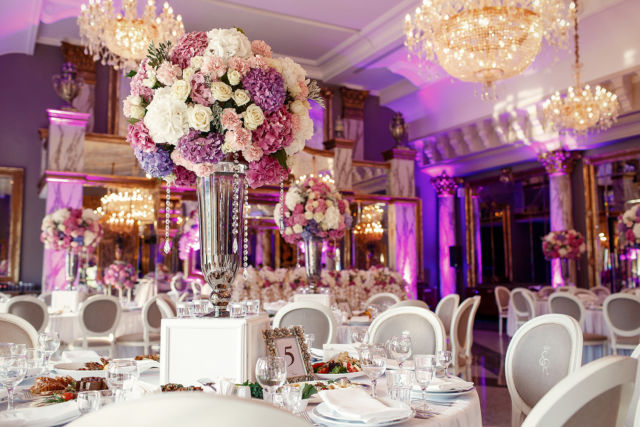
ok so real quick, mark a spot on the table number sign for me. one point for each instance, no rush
(290, 344)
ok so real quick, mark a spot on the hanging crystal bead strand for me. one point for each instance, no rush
(236, 203)
(281, 206)
(167, 220)
(245, 248)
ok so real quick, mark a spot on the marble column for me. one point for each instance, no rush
(65, 146)
(342, 161)
(403, 255)
(353, 118)
(446, 188)
(472, 234)
(85, 101)
(401, 180)
(559, 165)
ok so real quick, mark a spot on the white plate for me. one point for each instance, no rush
(314, 399)
(443, 396)
(348, 376)
(73, 370)
(323, 414)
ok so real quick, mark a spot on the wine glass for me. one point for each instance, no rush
(49, 343)
(122, 375)
(35, 361)
(444, 360)
(89, 401)
(359, 337)
(19, 349)
(12, 371)
(271, 373)
(425, 369)
(401, 348)
(373, 361)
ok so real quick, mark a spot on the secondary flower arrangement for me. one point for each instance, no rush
(563, 244)
(189, 240)
(629, 226)
(313, 207)
(73, 229)
(214, 96)
(120, 275)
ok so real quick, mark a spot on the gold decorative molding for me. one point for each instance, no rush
(84, 63)
(401, 153)
(557, 162)
(370, 164)
(113, 104)
(327, 95)
(445, 185)
(339, 143)
(353, 103)
(470, 237)
(591, 219)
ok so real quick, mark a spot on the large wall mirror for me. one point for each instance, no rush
(11, 194)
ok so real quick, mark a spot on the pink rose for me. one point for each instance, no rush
(168, 73)
(214, 65)
(260, 47)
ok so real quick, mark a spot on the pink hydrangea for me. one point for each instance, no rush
(213, 65)
(241, 65)
(260, 47)
(275, 132)
(266, 171)
(138, 137)
(168, 73)
(137, 87)
(120, 275)
(184, 177)
(230, 119)
(190, 45)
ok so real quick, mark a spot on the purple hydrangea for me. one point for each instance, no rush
(199, 149)
(158, 163)
(266, 88)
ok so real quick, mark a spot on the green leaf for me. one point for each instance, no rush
(133, 121)
(132, 73)
(281, 157)
(308, 390)
(256, 389)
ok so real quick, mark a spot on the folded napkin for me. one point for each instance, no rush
(79, 356)
(141, 389)
(146, 364)
(355, 404)
(449, 384)
(51, 415)
(360, 319)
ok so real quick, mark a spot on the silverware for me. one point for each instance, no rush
(25, 394)
(208, 383)
(440, 403)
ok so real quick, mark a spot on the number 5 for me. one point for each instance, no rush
(288, 353)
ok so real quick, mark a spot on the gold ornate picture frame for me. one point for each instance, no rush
(290, 344)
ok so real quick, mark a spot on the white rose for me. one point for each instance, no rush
(88, 238)
(297, 228)
(288, 230)
(134, 100)
(187, 73)
(318, 216)
(332, 218)
(150, 81)
(292, 199)
(166, 117)
(196, 62)
(234, 77)
(221, 91)
(136, 112)
(180, 90)
(60, 215)
(241, 97)
(200, 117)
(227, 43)
(253, 117)
(308, 215)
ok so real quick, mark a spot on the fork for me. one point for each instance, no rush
(307, 418)
(26, 394)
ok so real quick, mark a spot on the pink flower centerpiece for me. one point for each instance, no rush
(313, 207)
(565, 244)
(189, 240)
(120, 275)
(217, 96)
(629, 226)
(71, 229)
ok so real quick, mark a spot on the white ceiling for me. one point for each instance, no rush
(360, 43)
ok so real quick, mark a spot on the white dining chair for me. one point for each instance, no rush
(462, 335)
(165, 309)
(445, 309)
(170, 302)
(622, 316)
(383, 298)
(46, 297)
(314, 318)
(410, 303)
(426, 329)
(523, 304)
(17, 330)
(503, 296)
(99, 316)
(597, 394)
(30, 308)
(633, 417)
(569, 289)
(4, 297)
(190, 409)
(151, 320)
(545, 291)
(601, 291)
(571, 305)
(542, 352)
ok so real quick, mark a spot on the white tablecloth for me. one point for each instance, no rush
(68, 324)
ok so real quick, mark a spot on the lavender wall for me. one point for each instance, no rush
(425, 190)
(377, 137)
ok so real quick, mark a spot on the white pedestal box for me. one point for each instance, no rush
(65, 300)
(324, 299)
(211, 348)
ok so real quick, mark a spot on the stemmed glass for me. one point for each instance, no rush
(18, 349)
(425, 369)
(122, 375)
(373, 361)
(13, 369)
(35, 361)
(359, 337)
(271, 373)
(49, 343)
(401, 348)
(444, 360)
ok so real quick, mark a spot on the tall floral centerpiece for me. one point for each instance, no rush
(565, 245)
(313, 210)
(121, 276)
(629, 243)
(218, 109)
(74, 231)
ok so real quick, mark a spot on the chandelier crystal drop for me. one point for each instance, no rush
(582, 108)
(121, 40)
(485, 41)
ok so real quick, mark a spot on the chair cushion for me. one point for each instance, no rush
(627, 340)
(93, 341)
(137, 337)
(587, 337)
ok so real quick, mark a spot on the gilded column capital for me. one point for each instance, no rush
(84, 63)
(445, 185)
(557, 162)
(353, 102)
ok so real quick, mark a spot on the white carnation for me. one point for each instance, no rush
(188, 73)
(136, 112)
(293, 74)
(200, 117)
(60, 215)
(166, 117)
(332, 218)
(150, 81)
(196, 62)
(292, 199)
(229, 42)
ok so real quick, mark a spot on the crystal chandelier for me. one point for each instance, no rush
(121, 40)
(370, 229)
(123, 209)
(485, 41)
(582, 108)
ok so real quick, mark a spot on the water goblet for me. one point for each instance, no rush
(359, 337)
(122, 375)
(49, 342)
(271, 373)
(425, 368)
(399, 385)
(309, 338)
(373, 361)
(444, 360)
(400, 348)
(89, 401)
(35, 361)
(19, 349)
(12, 371)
